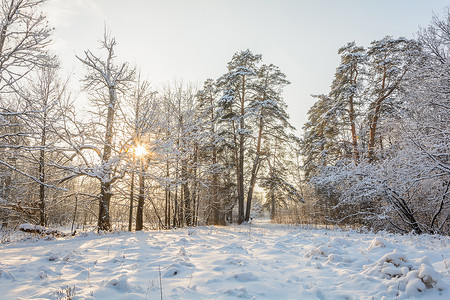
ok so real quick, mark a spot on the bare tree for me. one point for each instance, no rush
(24, 37)
(105, 82)
(142, 123)
(46, 103)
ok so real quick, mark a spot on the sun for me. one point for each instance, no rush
(140, 151)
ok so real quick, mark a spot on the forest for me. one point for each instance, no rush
(374, 154)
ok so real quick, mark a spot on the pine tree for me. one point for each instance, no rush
(238, 92)
(320, 143)
(388, 62)
(207, 99)
(270, 119)
(345, 92)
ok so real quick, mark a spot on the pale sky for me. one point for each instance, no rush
(192, 40)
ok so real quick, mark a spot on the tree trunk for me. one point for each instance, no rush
(351, 115)
(241, 181)
(74, 215)
(130, 215)
(141, 198)
(105, 185)
(181, 208)
(372, 132)
(241, 157)
(186, 195)
(166, 206)
(272, 203)
(374, 122)
(194, 188)
(43, 221)
(175, 208)
(251, 187)
(103, 211)
(169, 208)
(215, 205)
(255, 169)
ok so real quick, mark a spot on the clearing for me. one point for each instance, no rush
(258, 261)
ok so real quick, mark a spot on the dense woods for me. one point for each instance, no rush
(374, 153)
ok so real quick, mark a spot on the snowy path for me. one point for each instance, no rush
(266, 261)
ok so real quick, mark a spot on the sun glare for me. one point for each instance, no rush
(140, 150)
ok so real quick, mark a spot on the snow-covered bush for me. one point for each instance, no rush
(408, 277)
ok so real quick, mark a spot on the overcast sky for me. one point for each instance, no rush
(192, 40)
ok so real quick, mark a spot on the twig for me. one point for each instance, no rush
(148, 290)
(160, 282)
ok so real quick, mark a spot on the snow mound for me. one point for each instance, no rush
(390, 265)
(338, 242)
(378, 242)
(71, 255)
(233, 248)
(238, 293)
(48, 271)
(120, 284)
(332, 250)
(53, 257)
(245, 277)
(180, 266)
(318, 251)
(408, 277)
(183, 241)
(5, 275)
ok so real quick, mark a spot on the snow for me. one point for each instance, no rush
(261, 261)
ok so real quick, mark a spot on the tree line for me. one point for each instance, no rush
(153, 158)
(376, 148)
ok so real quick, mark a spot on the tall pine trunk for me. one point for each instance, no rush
(240, 175)
(352, 117)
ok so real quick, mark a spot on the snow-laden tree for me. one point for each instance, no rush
(47, 102)
(177, 148)
(389, 60)
(404, 185)
(252, 111)
(141, 117)
(107, 83)
(426, 130)
(320, 144)
(271, 120)
(207, 100)
(279, 172)
(238, 91)
(346, 93)
(333, 129)
(24, 39)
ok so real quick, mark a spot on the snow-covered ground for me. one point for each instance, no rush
(261, 261)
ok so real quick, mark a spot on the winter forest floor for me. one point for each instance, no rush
(258, 261)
